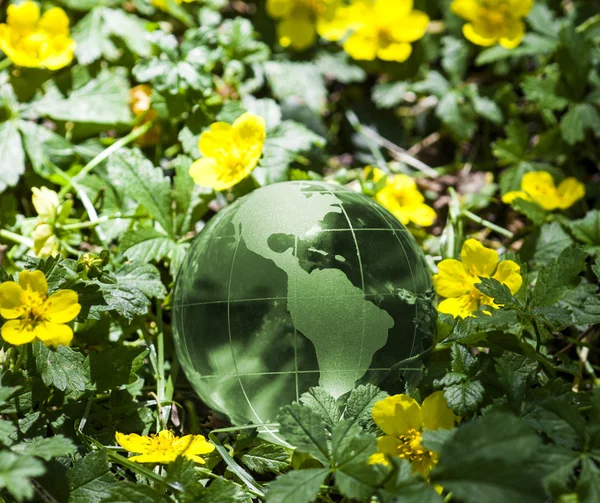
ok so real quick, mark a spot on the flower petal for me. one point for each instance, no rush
(569, 191)
(192, 445)
(17, 332)
(508, 272)
(279, 8)
(296, 31)
(422, 215)
(452, 280)
(217, 141)
(55, 21)
(411, 28)
(249, 135)
(395, 52)
(23, 16)
(397, 414)
(62, 306)
(436, 413)
(477, 259)
(34, 282)
(462, 306)
(515, 31)
(479, 35)
(540, 187)
(509, 197)
(54, 334)
(207, 173)
(361, 45)
(45, 201)
(154, 457)
(133, 442)
(13, 300)
(466, 9)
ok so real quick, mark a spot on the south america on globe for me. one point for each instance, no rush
(299, 284)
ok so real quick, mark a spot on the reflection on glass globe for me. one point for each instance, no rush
(296, 285)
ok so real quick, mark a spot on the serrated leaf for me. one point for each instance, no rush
(267, 458)
(360, 404)
(339, 67)
(130, 492)
(300, 486)
(103, 100)
(531, 210)
(304, 429)
(16, 473)
(579, 118)
(390, 94)
(113, 367)
(350, 444)
(65, 369)
(497, 291)
(588, 485)
(323, 404)
(550, 242)
(90, 479)
(46, 448)
(147, 245)
(142, 277)
(465, 397)
(463, 360)
(490, 459)
(559, 277)
(587, 229)
(544, 89)
(12, 156)
(145, 184)
(301, 81)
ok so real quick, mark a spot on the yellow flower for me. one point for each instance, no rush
(32, 314)
(165, 447)
(401, 197)
(141, 104)
(456, 280)
(403, 420)
(538, 186)
(231, 152)
(164, 4)
(37, 42)
(492, 22)
(302, 20)
(384, 29)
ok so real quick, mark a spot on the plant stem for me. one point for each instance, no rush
(486, 223)
(160, 349)
(126, 140)
(90, 224)
(16, 238)
(399, 153)
(5, 63)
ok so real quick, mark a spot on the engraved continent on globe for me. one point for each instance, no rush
(296, 285)
(340, 336)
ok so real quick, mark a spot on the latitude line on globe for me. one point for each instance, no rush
(290, 372)
(362, 281)
(412, 276)
(256, 299)
(231, 339)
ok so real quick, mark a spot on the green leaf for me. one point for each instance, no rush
(90, 479)
(451, 112)
(147, 245)
(512, 150)
(350, 444)
(223, 491)
(559, 277)
(464, 397)
(455, 58)
(390, 94)
(550, 242)
(93, 35)
(300, 486)
(323, 404)
(497, 291)
(531, 210)
(587, 229)
(46, 448)
(304, 428)
(490, 459)
(12, 157)
(297, 80)
(405, 486)
(65, 369)
(579, 118)
(574, 60)
(339, 67)
(588, 485)
(360, 404)
(182, 474)
(463, 360)
(145, 184)
(544, 89)
(16, 473)
(130, 492)
(113, 367)
(532, 45)
(142, 277)
(103, 100)
(267, 458)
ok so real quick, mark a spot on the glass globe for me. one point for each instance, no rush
(299, 284)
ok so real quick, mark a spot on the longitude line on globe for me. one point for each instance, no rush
(387, 219)
(362, 281)
(237, 246)
(296, 331)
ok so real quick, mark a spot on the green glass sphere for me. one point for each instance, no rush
(299, 284)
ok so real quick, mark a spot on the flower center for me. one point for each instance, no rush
(36, 312)
(410, 447)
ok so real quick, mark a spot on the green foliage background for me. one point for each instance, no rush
(524, 378)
